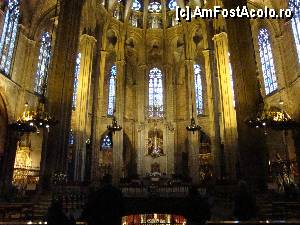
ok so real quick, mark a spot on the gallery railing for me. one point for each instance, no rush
(159, 191)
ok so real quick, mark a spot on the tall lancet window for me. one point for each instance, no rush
(294, 5)
(112, 91)
(9, 35)
(198, 89)
(156, 103)
(267, 61)
(43, 63)
(76, 80)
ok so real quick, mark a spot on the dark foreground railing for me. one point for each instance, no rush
(280, 222)
(32, 223)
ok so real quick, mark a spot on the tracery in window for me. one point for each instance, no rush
(76, 80)
(294, 5)
(198, 89)
(43, 63)
(136, 5)
(106, 142)
(156, 105)
(9, 35)
(172, 4)
(154, 7)
(267, 61)
(112, 91)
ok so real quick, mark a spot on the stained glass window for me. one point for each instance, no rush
(43, 63)
(267, 61)
(9, 35)
(71, 138)
(294, 5)
(112, 90)
(156, 105)
(106, 142)
(172, 4)
(136, 5)
(76, 80)
(198, 89)
(154, 7)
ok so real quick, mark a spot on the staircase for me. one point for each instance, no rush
(40, 209)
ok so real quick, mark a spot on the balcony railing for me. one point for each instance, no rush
(159, 191)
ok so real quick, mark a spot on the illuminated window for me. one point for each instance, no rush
(43, 63)
(231, 80)
(267, 61)
(112, 91)
(9, 35)
(198, 89)
(76, 80)
(106, 142)
(136, 5)
(294, 6)
(172, 4)
(154, 7)
(155, 93)
(71, 138)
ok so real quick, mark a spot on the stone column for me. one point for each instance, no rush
(214, 124)
(193, 150)
(60, 83)
(140, 102)
(87, 44)
(228, 114)
(251, 143)
(169, 108)
(118, 136)
(98, 114)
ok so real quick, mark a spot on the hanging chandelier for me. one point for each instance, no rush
(273, 118)
(33, 121)
(193, 126)
(114, 126)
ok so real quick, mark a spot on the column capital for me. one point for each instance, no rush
(121, 62)
(206, 52)
(86, 37)
(220, 36)
(142, 66)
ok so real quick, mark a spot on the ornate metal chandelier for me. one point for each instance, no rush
(273, 118)
(33, 121)
(193, 126)
(114, 126)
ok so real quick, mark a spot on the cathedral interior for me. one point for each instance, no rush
(120, 89)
